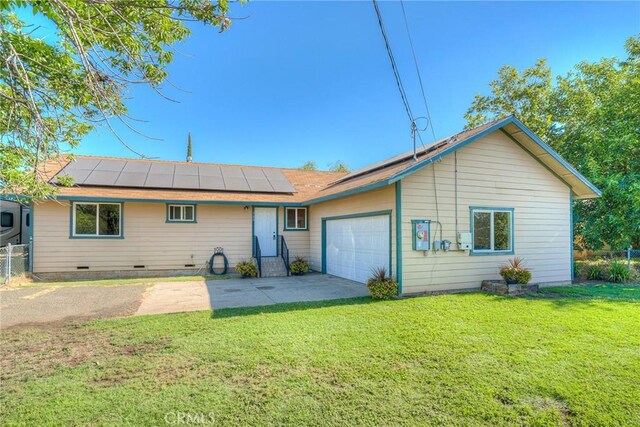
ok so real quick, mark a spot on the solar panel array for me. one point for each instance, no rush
(186, 176)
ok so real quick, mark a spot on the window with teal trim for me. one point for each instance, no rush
(295, 219)
(97, 219)
(181, 213)
(492, 230)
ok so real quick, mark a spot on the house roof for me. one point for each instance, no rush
(395, 168)
(318, 186)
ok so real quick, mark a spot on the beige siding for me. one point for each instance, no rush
(297, 241)
(148, 239)
(371, 201)
(492, 172)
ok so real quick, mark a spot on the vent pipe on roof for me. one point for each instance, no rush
(189, 153)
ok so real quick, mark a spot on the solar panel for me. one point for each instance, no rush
(212, 183)
(162, 168)
(82, 164)
(150, 174)
(78, 175)
(101, 178)
(186, 181)
(131, 179)
(138, 167)
(234, 179)
(111, 165)
(159, 180)
(186, 170)
(278, 181)
(210, 171)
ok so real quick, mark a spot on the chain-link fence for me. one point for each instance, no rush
(14, 262)
(629, 256)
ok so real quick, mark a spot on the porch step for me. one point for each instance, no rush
(273, 267)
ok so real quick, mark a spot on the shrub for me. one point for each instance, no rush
(595, 272)
(515, 271)
(508, 273)
(618, 272)
(299, 266)
(247, 269)
(577, 270)
(381, 286)
(523, 276)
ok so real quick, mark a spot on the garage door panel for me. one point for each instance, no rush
(355, 246)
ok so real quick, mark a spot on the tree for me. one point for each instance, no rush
(189, 149)
(339, 166)
(591, 117)
(54, 90)
(309, 165)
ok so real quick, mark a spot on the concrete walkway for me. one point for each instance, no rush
(174, 297)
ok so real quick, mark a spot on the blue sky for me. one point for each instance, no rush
(298, 81)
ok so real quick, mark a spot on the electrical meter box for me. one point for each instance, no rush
(464, 241)
(421, 234)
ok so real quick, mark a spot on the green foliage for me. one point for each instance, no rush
(381, 286)
(523, 276)
(339, 166)
(247, 269)
(514, 270)
(577, 269)
(299, 266)
(55, 89)
(590, 116)
(618, 272)
(189, 148)
(309, 165)
(595, 272)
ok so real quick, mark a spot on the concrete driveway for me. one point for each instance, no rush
(173, 297)
(53, 305)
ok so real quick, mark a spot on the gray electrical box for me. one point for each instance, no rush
(421, 234)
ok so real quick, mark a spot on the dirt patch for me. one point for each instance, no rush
(38, 352)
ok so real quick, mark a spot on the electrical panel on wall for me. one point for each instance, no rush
(421, 234)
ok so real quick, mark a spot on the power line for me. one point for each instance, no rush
(415, 61)
(394, 66)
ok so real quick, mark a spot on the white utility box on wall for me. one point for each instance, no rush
(464, 241)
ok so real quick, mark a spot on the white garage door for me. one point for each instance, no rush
(356, 245)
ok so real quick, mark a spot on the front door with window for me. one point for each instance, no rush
(265, 228)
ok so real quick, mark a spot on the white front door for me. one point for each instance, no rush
(265, 228)
(355, 246)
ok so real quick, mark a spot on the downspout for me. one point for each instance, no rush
(399, 235)
(571, 232)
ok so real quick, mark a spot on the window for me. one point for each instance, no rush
(295, 219)
(97, 220)
(492, 230)
(181, 213)
(6, 219)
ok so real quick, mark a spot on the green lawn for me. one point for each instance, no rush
(563, 358)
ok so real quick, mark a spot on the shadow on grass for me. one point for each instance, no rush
(588, 294)
(223, 313)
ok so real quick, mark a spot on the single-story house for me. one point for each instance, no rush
(443, 218)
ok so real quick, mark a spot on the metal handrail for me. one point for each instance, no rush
(258, 255)
(284, 253)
